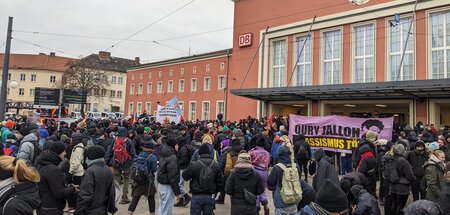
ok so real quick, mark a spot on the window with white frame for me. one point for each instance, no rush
(332, 57)
(140, 88)
(104, 92)
(440, 45)
(181, 107)
(279, 63)
(303, 75)
(120, 80)
(194, 70)
(181, 85)
(159, 87)
(52, 78)
(119, 94)
(21, 91)
(221, 82)
(22, 77)
(220, 109)
(132, 89)
(141, 76)
(170, 86)
(32, 92)
(112, 93)
(113, 79)
(182, 71)
(139, 108)
(193, 84)
(149, 87)
(148, 107)
(222, 66)
(150, 75)
(33, 78)
(192, 111)
(160, 74)
(130, 108)
(363, 54)
(207, 83)
(171, 73)
(208, 68)
(132, 77)
(397, 39)
(205, 111)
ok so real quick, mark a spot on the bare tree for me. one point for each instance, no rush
(83, 76)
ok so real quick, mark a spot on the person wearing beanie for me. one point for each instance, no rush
(202, 192)
(228, 161)
(168, 177)
(302, 151)
(52, 189)
(367, 166)
(275, 179)
(349, 180)
(260, 161)
(6, 129)
(184, 160)
(417, 159)
(325, 170)
(119, 156)
(239, 135)
(96, 185)
(29, 147)
(434, 175)
(399, 190)
(225, 134)
(329, 200)
(243, 178)
(364, 203)
(76, 165)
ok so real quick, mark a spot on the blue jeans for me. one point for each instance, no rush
(166, 199)
(181, 183)
(202, 203)
(346, 164)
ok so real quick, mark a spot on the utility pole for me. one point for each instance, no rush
(4, 88)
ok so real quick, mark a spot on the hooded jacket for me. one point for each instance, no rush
(5, 133)
(357, 154)
(20, 199)
(168, 169)
(212, 154)
(434, 174)
(366, 204)
(193, 173)
(444, 197)
(406, 175)
(183, 154)
(417, 162)
(26, 150)
(424, 207)
(110, 155)
(325, 170)
(52, 187)
(233, 150)
(77, 160)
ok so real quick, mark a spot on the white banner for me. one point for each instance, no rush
(167, 114)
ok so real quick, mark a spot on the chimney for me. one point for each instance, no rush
(52, 54)
(104, 55)
(137, 61)
(40, 53)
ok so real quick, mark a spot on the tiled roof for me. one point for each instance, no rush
(113, 64)
(37, 62)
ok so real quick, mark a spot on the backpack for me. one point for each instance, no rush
(206, 179)
(120, 150)
(390, 170)
(37, 150)
(10, 149)
(140, 173)
(291, 190)
(230, 163)
(302, 152)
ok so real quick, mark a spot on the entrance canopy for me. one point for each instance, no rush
(417, 89)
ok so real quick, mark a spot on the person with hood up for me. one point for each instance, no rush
(417, 158)
(19, 192)
(28, 149)
(6, 129)
(444, 197)
(424, 207)
(43, 134)
(369, 140)
(325, 170)
(277, 142)
(399, 190)
(368, 166)
(207, 138)
(434, 175)
(351, 179)
(302, 154)
(52, 187)
(364, 202)
(119, 156)
(329, 200)
(228, 160)
(260, 161)
(184, 159)
(196, 142)
(243, 185)
(274, 182)
(240, 135)
(168, 177)
(95, 192)
(157, 137)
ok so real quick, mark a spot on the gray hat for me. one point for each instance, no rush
(399, 149)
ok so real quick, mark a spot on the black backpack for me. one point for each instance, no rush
(139, 170)
(206, 179)
(390, 170)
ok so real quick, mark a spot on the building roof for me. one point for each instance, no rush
(219, 53)
(417, 89)
(37, 62)
(109, 63)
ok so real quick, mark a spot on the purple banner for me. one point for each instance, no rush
(337, 133)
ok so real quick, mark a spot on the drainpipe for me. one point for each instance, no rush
(226, 85)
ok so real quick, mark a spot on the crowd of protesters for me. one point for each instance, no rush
(76, 167)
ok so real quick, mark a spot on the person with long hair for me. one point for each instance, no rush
(19, 192)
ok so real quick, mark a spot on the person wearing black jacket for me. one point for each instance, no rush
(168, 176)
(52, 187)
(202, 199)
(184, 158)
(233, 150)
(302, 152)
(417, 159)
(325, 170)
(399, 190)
(94, 195)
(368, 167)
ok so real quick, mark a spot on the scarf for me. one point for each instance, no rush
(319, 210)
(365, 155)
(244, 165)
(6, 185)
(95, 161)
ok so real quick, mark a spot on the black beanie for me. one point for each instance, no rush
(57, 147)
(235, 142)
(261, 142)
(171, 142)
(95, 152)
(156, 136)
(204, 149)
(24, 131)
(77, 138)
(331, 197)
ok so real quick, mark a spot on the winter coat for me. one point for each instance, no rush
(444, 198)
(77, 160)
(26, 150)
(52, 186)
(276, 177)
(239, 179)
(260, 158)
(94, 189)
(274, 150)
(368, 167)
(434, 174)
(355, 178)
(184, 156)
(357, 154)
(168, 170)
(192, 173)
(307, 147)
(417, 162)
(183, 139)
(106, 142)
(110, 155)
(233, 150)
(146, 189)
(20, 199)
(5, 133)
(406, 175)
(212, 154)
(308, 195)
(366, 204)
(325, 170)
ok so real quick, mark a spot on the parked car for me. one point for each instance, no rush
(76, 115)
(9, 115)
(119, 115)
(95, 115)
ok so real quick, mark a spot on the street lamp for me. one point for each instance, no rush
(14, 84)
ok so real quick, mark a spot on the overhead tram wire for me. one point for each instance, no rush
(151, 24)
(40, 46)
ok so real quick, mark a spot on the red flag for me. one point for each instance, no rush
(132, 119)
(271, 118)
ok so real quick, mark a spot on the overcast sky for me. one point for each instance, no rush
(118, 19)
